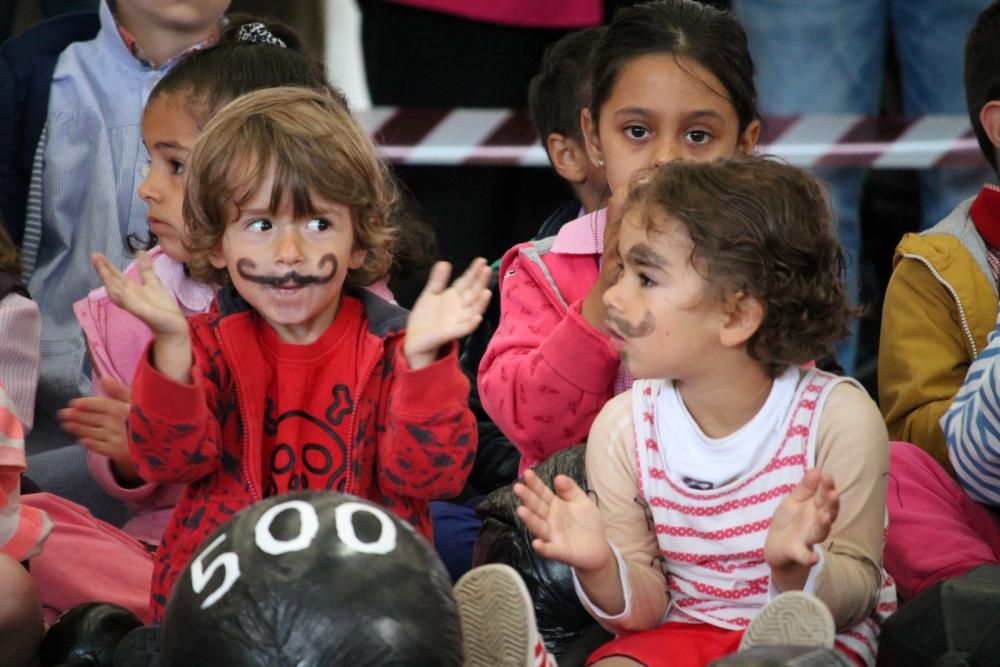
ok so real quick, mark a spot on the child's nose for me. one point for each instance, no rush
(289, 250)
(148, 190)
(665, 151)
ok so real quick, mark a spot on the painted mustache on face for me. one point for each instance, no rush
(625, 328)
(290, 279)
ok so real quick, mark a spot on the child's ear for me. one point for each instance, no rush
(989, 116)
(749, 138)
(216, 258)
(590, 137)
(357, 258)
(742, 317)
(569, 158)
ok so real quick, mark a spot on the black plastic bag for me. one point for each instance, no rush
(561, 618)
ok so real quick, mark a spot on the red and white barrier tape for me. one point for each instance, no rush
(504, 137)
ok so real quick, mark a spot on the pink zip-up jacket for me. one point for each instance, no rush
(547, 372)
(116, 341)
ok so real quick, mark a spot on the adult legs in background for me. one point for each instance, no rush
(824, 56)
(931, 72)
(936, 531)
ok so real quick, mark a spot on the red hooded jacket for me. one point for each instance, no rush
(412, 436)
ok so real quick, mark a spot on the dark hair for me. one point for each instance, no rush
(211, 78)
(762, 228)
(219, 74)
(561, 88)
(684, 29)
(982, 73)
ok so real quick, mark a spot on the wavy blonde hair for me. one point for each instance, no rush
(315, 148)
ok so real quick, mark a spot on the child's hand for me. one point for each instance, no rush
(99, 424)
(150, 301)
(593, 309)
(442, 314)
(801, 520)
(568, 527)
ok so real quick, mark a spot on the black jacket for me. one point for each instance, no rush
(27, 63)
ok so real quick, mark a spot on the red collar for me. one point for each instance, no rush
(985, 214)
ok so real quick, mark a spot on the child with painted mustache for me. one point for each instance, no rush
(295, 378)
(738, 497)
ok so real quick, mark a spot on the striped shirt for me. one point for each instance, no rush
(696, 556)
(972, 425)
(22, 529)
(20, 330)
(712, 541)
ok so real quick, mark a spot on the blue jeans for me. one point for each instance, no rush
(827, 56)
(455, 530)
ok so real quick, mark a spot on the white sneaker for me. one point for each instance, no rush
(498, 620)
(791, 619)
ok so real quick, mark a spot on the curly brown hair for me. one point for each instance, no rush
(314, 147)
(762, 228)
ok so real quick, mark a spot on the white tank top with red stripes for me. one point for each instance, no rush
(712, 541)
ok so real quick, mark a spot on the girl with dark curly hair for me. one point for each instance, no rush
(740, 492)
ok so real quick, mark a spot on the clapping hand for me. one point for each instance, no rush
(442, 314)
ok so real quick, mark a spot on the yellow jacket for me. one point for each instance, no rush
(940, 306)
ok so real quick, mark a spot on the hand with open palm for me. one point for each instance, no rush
(99, 424)
(802, 520)
(152, 303)
(442, 314)
(149, 301)
(567, 527)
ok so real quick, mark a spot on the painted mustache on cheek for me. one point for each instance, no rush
(293, 278)
(625, 328)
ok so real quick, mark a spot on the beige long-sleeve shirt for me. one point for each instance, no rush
(852, 446)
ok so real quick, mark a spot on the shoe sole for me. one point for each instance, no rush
(497, 617)
(792, 619)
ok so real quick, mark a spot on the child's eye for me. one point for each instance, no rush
(318, 225)
(259, 225)
(699, 136)
(636, 132)
(177, 167)
(646, 281)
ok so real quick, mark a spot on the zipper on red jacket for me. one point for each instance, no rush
(354, 413)
(245, 447)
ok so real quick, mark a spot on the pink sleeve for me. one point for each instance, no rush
(22, 529)
(102, 472)
(547, 372)
(116, 340)
(380, 288)
(20, 340)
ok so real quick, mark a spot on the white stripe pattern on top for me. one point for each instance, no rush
(712, 540)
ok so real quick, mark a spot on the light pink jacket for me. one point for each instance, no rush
(547, 372)
(116, 341)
